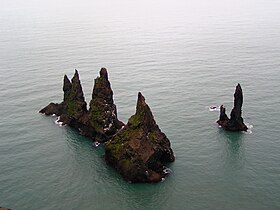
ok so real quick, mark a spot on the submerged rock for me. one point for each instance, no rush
(235, 122)
(140, 150)
(73, 109)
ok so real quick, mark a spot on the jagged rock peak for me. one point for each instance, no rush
(140, 150)
(67, 85)
(143, 115)
(141, 103)
(103, 73)
(103, 111)
(77, 87)
(235, 123)
(100, 122)
(102, 87)
(223, 115)
(238, 101)
(73, 105)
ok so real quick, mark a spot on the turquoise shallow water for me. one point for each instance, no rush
(184, 56)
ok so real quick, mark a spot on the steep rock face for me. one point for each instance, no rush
(74, 103)
(101, 121)
(140, 150)
(103, 112)
(235, 122)
(73, 107)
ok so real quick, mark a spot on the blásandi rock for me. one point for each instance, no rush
(140, 150)
(73, 110)
(235, 122)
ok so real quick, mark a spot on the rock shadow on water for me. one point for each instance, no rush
(234, 154)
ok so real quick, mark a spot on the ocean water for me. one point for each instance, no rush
(184, 56)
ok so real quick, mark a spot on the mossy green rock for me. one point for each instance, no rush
(73, 107)
(74, 101)
(140, 150)
(103, 112)
(100, 122)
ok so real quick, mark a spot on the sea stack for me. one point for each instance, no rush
(103, 112)
(100, 122)
(73, 107)
(140, 150)
(235, 122)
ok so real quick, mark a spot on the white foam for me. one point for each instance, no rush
(250, 127)
(247, 132)
(53, 115)
(95, 144)
(58, 122)
(167, 171)
(214, 108)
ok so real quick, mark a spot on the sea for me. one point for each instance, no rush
(184, 56)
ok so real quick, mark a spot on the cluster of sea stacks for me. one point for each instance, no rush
(138, 150)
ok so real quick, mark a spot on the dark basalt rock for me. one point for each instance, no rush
(140, 150)
(137, 150)
(73, 110)
(235, 122)
(74, 103)
(103, 112)
(73, 107)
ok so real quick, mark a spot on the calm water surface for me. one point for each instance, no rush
(184, 56)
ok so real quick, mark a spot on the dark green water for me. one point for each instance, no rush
(184, 56)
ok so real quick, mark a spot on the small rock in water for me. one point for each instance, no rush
(235, 122)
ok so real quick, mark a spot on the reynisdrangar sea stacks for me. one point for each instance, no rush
(138, 150)
(100, 122)
(235, 122)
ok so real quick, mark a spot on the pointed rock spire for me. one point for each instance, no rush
(77, 90)
(235, 123)
(103, 73)
(67, 85)
(73, 106)
(140, 150)
(143, 115)
(103, 111)
(74, 101)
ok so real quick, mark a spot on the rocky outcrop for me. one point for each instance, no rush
(100, 122)
(103, 112)
(235, 122)
(140, 150)
(137, 150)
(73, 107)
